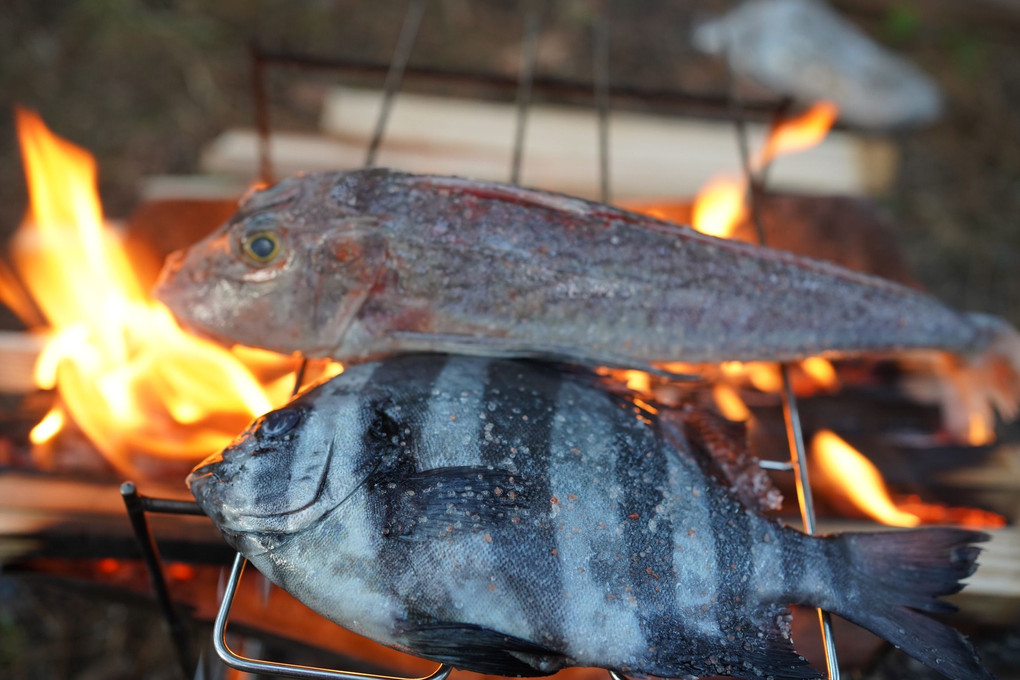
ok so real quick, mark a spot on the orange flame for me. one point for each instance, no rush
(639, 381)
(849, 473)
(729, 403)
(821, 371)
(799, 133)
(127, 375)
(858, 479)
(719, 206)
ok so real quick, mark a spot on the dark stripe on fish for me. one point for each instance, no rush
(642, 472)
(520, 443)
(391, 437)
(734, 559)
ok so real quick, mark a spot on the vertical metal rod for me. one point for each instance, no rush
(794, 434)
(299, 377)
(600, 46)
(791, 413)
(395, 74)
(262, 125)
(529, 50)
(150, 554)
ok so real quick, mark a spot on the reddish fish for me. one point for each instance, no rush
(359, 264)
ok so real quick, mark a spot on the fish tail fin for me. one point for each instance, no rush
(898, 575)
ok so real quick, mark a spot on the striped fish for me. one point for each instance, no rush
(515, 518)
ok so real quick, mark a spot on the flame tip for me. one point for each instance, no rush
(127, 375)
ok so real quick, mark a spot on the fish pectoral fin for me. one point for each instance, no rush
(483, 650)
(445, 501)
(511, 348)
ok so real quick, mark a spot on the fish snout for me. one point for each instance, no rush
(173, 263)
(176, 272)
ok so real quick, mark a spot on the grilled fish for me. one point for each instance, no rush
(515, 518)
(362, 264)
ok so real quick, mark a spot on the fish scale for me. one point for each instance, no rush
(523, 444)
(428, 262)
(514, 554)
(367, 263)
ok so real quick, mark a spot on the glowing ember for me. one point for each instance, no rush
(126, 374)
(929, 513)
(639, 381)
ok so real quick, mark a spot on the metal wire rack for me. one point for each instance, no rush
(728, 106)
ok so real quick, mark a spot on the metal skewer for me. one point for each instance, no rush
(137, 506)
(395, 74)
(525, 77)
(600, 61)
(791, 413)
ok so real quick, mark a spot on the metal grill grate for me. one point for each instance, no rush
(727, 106)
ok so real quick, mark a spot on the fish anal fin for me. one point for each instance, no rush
(449, 501)
(759, 647)
(476, 648)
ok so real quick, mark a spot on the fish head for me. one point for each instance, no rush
(287, 272)
(284, 473)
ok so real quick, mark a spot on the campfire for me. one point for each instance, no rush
(142, 389)
(154, 400)
(125, 374)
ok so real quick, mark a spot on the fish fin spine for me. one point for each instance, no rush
(889, 578)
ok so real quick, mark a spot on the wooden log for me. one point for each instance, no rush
(650, 156)
(18, 352)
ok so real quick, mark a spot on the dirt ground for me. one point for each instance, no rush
(145, 84)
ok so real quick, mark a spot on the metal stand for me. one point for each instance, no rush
(791, 414)
(525, 83)
(137, 506)
(247, 665)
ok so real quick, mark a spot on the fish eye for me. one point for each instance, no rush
(262, 246)
(280, 422)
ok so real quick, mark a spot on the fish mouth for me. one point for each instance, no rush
(198, 483)
(206, 473)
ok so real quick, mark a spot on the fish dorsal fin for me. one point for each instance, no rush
(725, 444)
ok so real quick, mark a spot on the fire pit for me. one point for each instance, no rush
(103, 385)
